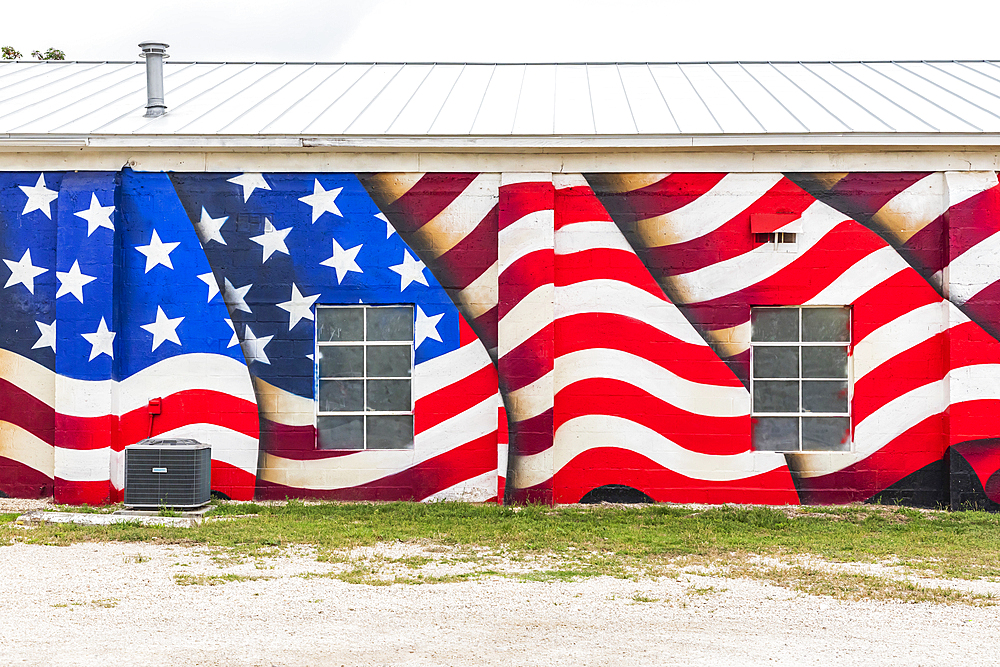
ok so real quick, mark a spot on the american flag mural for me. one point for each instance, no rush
(570, 336)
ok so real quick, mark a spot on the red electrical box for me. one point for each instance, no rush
(154, 406)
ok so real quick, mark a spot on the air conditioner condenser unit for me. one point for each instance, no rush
(168, 472)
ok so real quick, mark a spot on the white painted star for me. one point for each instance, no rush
(163, 329)
(322, 201)
(272, 240)
(250, 182)
(343, 261)
(410, 271)
(213, 286)
(236, 296)
(299, 307)
(23, 272)
(101, 341)
(72, 281)
(426, 327)
(253, 347)
(209, 228)
(235, 340)
(157, 252)
(389, 229)
(97, 215)
(39, 197)
(48, 337)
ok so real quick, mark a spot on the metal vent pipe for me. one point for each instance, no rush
(154, 53)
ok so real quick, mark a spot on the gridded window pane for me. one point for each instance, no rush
(340, 324)
(776, 396)
(769, 325)
(775, 433)
(775, 362)
(822, 396)
(341, 395)
(390, 432)
(345, 432)
(826, 434)
(389, 395)
(395, 323)
(389, 361)
(341, 361)
(826, 325)
(823, 362)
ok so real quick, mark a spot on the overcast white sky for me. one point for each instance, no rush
(508, 30)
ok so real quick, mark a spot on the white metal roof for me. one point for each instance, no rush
(261, 102)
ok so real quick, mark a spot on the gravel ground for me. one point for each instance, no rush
(115, 603)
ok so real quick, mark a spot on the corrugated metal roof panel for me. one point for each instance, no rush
(459, 100)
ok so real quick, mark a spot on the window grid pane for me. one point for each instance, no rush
(822, 418)
(385, 344)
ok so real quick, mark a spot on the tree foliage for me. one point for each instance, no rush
(10, 53)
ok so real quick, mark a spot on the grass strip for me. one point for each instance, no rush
(950, 544)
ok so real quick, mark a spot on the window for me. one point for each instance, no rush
(799, 378)
(364, 364)
(779, 241)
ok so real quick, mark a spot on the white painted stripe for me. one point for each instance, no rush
(83, 465)
(565, 181)
(582, 236)
(473, 490)
(862, 277)
(530, 233)
(619, 298)
(515, 177)
(903, 333)
(528, 317)
(481, 295)
(531, 400)
(581, 434)
(973, 271)
(700, 399)
(19, 445)
(209, 372)
(737, 273)
(345, 471)
(731, 196)
(915, 207)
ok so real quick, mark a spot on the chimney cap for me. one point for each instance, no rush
(153, 49)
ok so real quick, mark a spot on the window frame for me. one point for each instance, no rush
(800, 344)
(365, 344)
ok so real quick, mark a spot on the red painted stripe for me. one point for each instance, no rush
(600, 467)
(889, 300)
(520, 199)
(605, 264)
(426, 199)
(693, 432)
(696, 363)
(20, 481)
(469, 258)
(906, 371)
(236, 483)
(973, 221)
(87, 433)
(528, 361)
(69, 492)
(486, 327)
(531, 436)
(523, 277)
(927, 250)
(454, 399)
(664, 196)
(194, 406)
(798, 282)
(578, 204)
(23, 410)
(422, 480)
(732, 239)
